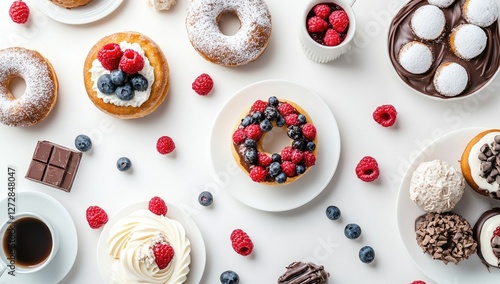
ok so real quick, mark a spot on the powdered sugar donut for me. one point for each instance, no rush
(482, 13)
(450, 79)
(243, 47)
(41, 87)
(428, 22)
(441, 3)
(468, 41)
(415, 57)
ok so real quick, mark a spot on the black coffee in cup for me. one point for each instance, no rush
(28, 240)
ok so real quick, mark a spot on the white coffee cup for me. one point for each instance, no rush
(9, 232)
(322, 53)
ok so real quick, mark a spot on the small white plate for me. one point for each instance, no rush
(448, 148)
(198, 254)
(93, 11)
(282, 197)
(61, 220)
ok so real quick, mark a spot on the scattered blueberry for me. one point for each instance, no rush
(266, 125)
(274, 169)
(294, 132)
(205, 198)
(125, 92)
(310, 146)
(300, 169)
(247, 120)
(123, 164)
(250, 156)
(366, 254)
(281, 178)
(273, 101)
(139, 83)
(105, 85)
(271, 113)
(276, 157)
(302, 118)
(250, 143)
(333, 212)
(352, 231)
(257, 117)
(229, 277)
(83, 143)
(299, 144)
(280, 121)
(118, 77)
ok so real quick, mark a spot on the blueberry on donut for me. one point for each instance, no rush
(41, 87)
(229, 50)
(293, 161)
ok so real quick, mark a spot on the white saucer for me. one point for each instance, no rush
(89, 13)
(282, 197)
(198, 254)
(61, 220)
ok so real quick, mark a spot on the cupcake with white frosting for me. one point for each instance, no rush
(467, 41)
(450, 79)
(482, 13)
(428, 22)
(415, 57)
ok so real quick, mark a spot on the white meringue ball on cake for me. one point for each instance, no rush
(415, 57)
(427, 22)
(441, 3)
(482, 13)
(468, 41)
(450, 79)
(436, 186)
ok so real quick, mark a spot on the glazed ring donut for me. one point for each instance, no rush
(41, 90)
(445, 236)
(155, 68)
(480, 163)
(243, 47)
(275, 168)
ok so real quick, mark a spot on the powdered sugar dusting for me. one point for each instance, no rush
(415, 57)
(428, 22)
(441, 3)
(450, 79)
(229, 50)
(482, 13)
(469, 41)
(39, 94)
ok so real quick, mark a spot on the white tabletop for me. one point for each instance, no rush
(352, 87)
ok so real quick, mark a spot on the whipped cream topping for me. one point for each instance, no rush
(486, 240)
(468, 41)
(482, 13)
(450, 79)
(140, 97)
(436, 186)
(475, 164)
(415, 57)
(441, 3)
(130, 244)
(428, 22)
(159, 5)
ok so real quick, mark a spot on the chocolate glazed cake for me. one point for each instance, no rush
(480, 69)
(487, 234)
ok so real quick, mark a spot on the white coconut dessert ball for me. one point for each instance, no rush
(441, 3)
(450, 79)
(415, 57)
(482, 13)
(468, 41)
(427, 22)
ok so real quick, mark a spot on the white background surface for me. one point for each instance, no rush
(353, 86)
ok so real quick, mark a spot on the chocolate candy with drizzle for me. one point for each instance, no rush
(304, 273)
(489, 156)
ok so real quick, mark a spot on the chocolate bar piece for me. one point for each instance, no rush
(54, 165)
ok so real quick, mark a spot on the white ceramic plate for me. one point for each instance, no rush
(282, 197)
(198, 254)
(93, 11)
(61, 220)
(448, 148)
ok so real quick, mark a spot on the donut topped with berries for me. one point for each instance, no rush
(293, 161)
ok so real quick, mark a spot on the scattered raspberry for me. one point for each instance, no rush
(339, 20)
(309, 159)
(367, 169)
(286, 153)
(164, 253)
(165, 145)
(253, 132)
(385, 115)
(258, 105)
(131, 62)
(19, 12)
(157, 206)
(258, 174)
(297, 156)
(309, 131)
(418, 282)
(264, 159)
(292, 119)
(286, 109)
(322, 11)
(239, 136)
(316, 24)
(109, 55)
(332, 38)
(203, 84)
(96, 217)
(241, 242)
(288, 168)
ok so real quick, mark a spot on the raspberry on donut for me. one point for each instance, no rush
(287, 165)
